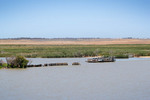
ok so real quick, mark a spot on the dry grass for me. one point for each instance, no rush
(76, 42)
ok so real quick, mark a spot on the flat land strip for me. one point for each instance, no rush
(62, 51)
(73, 41)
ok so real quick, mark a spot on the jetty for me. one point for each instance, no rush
(50, 64)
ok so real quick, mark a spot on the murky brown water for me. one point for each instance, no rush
(122, 80)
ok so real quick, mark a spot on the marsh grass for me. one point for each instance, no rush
(62, 51)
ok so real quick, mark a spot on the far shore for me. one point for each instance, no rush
(72, 41)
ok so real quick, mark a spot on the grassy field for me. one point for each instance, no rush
(61, 51)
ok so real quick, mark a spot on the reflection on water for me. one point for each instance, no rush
(120, 80)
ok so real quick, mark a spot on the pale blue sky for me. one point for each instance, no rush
(75, 18)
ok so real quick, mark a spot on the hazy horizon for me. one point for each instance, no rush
(76, 37)
(75, 18)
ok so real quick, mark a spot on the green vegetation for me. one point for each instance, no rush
(3, 65)
(17, 62)
(61, 51)
(121, 56)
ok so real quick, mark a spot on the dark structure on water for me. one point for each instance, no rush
(101, 59)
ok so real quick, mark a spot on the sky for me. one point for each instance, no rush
(75, 18)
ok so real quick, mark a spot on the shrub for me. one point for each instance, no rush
(4, 65)
(17, 62)
(140, 54)
(21, 62)
(121, 56)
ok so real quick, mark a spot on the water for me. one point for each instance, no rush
(120, 80)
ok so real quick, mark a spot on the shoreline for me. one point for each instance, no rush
(88, 57)
(143, 57)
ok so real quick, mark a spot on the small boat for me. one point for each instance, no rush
(101, 59)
